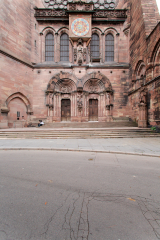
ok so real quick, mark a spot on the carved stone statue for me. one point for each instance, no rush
(80, 51)
(143, 96)
(108, 99)
(80, 54)
(142, 122)
(79, 101)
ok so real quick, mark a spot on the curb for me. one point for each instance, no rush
(82, 150)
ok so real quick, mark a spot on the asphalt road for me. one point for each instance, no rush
(78, 196)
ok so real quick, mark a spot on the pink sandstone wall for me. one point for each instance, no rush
(15, 22)
(15, 77)
(144, 43)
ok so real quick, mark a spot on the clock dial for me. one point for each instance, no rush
(80, 27)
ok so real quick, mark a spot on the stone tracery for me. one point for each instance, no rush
(98, 4)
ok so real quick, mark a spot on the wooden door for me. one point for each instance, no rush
(93, 110)
(65, 110)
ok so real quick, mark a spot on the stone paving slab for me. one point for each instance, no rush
(136, 146)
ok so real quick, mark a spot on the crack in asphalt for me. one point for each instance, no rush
(74, 213)
(151, 214)
(76, 224)
(47, 224)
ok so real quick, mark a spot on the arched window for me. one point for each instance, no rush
(95, 46)
(64, 50)
(109, 48)
(49, 47)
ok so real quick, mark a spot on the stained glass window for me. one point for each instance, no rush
(49, 47)
(64, 49)
(109, 48)
(95, 46)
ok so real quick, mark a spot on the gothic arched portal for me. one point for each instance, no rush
(79, 100)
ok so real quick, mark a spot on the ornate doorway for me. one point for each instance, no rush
(93, 110)
(65, 110)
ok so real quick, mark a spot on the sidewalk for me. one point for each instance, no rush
(134, 146)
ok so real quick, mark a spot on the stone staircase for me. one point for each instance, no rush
(90, 124)
(75, 133)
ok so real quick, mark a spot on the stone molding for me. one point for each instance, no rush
(46, 14)
(4, 52)
(23, 98)
(111, 14)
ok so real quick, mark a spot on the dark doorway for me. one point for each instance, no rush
(65, 110)
(93, 110)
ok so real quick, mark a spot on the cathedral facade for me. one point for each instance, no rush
(79, 61)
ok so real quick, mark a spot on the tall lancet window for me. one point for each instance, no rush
(109, 48)
(95, 46)
(49, 47)
(64, 50)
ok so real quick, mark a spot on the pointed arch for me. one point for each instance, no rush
(98, 79)
(61, 78)
(155, 53)
(140, 69)
(24, 99)
(47, 29)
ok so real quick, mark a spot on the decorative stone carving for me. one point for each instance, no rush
(107, 107)
(66, 89)
(29, 110)
(50, 100)
(93, 89)
(143, 96)
(88, 7)
(98, 4)
(79, 101)
(110, 14)
(75, 54)
(4, 109)
(80, 51)
(108, 101)
(142, 108)
(80, 54)
(72, 7)
(127, 29)
(50, 13)
(84, 54)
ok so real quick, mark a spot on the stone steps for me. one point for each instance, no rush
(78, 133)
(116, 123)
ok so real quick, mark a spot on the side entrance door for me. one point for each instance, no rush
(65, 110)
(93, 110)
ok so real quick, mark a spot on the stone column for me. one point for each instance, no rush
(41, 47)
